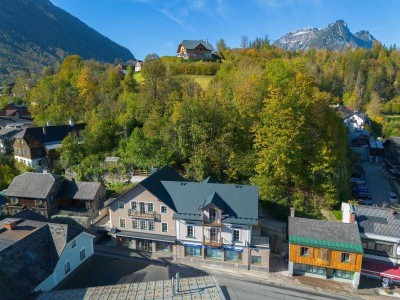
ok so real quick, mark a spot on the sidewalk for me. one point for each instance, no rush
(278, 276)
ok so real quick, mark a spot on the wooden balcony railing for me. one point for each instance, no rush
(146, 215)
(212, 222)
(212, 242)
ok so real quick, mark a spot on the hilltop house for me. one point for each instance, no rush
(165, 215)
(45, 193)
(35, 146)
(380, 237)
(37, 256)
(195, 49)
(353, 119)
(327, 250)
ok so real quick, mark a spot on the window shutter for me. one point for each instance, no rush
(353, 258)
(339, 256)
(298, 250)
(310, 252)
(328, 255)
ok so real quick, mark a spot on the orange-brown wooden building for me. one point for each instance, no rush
(328, 250)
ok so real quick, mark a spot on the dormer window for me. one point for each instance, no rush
(212, 214)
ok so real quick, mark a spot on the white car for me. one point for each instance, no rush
(357, 181)
(392, 198)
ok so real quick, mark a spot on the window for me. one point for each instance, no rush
(212, 214)
(135, 224)
(143, 225)
(256, 260)
(304, 251)
(14, 200)
(150, 225)
(67, 267)
(38, 202)
(121, 204)
(343, 274)
(231, 255)
(82, 254)
(73, 243)
(163, 209)
(213, 253)
(142, 207)
(133, 205)
(236, 236)
(164, 227)
(164, 246)
(378, 248)
(345, 257)
(122, 222)
(193, 250)
(150, 207)
(317, 270)
(189, 231)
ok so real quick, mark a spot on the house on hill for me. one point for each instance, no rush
(37, 256)
(195, 49)
(35, 146)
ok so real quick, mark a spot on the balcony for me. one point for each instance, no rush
(212, 223)
(146, 215)
(212, 242)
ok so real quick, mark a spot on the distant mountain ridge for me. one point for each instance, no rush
(336, 36)
(35, 33)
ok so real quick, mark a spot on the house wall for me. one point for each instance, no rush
(139, 194)
(71, 255)
(334, 261)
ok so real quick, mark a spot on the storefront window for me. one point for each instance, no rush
(163, 246)
(213, 253)
(192, 251)
(144, 245)
(344, 274)
(256, 260)
(317, 270)
(231, 255)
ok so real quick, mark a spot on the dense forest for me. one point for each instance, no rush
(265, 118)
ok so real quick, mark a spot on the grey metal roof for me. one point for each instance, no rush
(80, 190)
(191, 44)
(32, 185)
(154, 186)
(29, 253)
(379, 221)
(324, 230)
(240, 201)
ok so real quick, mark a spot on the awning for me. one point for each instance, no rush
(146, 236)
(380, 269)
(237, 249)
(192, 245)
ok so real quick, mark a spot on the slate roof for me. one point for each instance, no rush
(240, 202)
(153, 184)
(54, 133)
(324, 234)
(29, 254)
(80, 190)
(191, 44)
(4, 121)
(379, 221)
(32, 185)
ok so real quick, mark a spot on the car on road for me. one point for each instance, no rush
(392, 198)
(357, 181)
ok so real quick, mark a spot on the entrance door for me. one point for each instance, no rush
(213, 235)
(143, 245)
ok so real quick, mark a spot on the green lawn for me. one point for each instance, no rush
(202, 80)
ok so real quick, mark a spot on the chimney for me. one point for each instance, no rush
(10, 224)
(352, 218)
(71, 121)
(292, 211)
(48, 123)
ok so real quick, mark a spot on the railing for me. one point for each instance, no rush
(141, 173)
(212, 223)
(212, 242)
(145, 215)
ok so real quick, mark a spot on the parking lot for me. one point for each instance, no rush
(376, 182)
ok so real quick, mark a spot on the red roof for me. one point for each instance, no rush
(382, 269)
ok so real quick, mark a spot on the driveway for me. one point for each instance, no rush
(377, 182)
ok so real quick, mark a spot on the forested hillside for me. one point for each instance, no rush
(35, 33)
(265, 118)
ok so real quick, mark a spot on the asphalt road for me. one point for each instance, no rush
(376, 182)
(102, 270)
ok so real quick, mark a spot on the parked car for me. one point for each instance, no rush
(392, 198)
(360, 189)
(357, 181)
(365, 202)
(362, 195)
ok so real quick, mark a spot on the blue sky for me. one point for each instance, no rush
(158, 26)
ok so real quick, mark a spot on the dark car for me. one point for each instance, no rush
(360, 189)
(362, 195)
